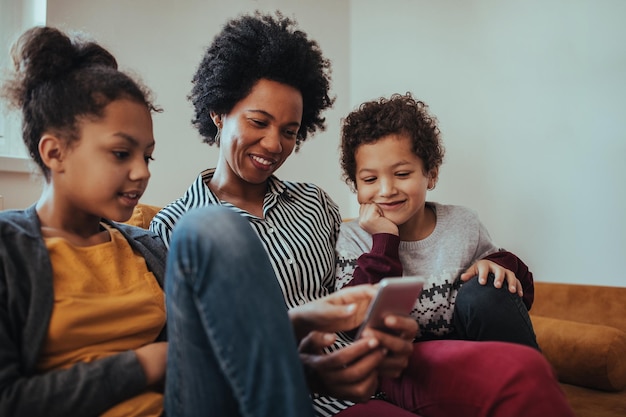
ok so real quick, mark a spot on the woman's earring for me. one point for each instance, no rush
(217, 135)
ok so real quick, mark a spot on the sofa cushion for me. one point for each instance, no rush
(588, 355)
(142, 215)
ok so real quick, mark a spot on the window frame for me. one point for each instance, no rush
(16, 17)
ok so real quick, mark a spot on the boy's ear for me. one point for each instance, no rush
(52, 151)
(433, 176)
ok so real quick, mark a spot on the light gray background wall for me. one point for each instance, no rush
(530, 96)
(163, 41)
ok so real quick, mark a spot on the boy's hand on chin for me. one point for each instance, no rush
(373, 220)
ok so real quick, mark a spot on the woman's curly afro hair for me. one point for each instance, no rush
(399, 114)
(254, 47)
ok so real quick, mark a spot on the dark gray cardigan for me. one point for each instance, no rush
(26, 301)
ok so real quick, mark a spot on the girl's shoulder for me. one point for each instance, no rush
(23, 221)
(145, 237)
(131, 229)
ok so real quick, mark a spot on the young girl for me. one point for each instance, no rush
(82, 309)
(391, 154)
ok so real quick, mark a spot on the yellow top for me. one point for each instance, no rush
(106, 301)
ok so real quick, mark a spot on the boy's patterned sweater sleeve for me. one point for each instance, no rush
(513, 263)
(382, 261)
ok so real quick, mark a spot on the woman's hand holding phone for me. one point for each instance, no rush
(389, 322)
(350, 373)
(398, 345)
(395, 296)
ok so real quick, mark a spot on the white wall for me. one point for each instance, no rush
(163, 41)
(531, 98)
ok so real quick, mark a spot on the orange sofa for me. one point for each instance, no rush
(581, 330)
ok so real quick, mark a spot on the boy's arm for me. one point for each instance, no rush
(513, 263)
(382, 261)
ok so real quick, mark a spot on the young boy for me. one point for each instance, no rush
(391, 154)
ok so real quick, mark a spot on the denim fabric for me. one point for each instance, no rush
(232, 350)
(483, 312)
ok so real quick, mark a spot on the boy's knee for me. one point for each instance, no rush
(473, 294)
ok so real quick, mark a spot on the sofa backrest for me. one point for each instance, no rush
(142, 215)
(593, 304)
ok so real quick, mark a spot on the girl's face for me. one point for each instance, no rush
(105, 172)
(260, 132)
(391, 176)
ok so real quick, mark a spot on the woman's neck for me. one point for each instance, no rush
(238, 192)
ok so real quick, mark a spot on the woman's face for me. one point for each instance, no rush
(260, 132)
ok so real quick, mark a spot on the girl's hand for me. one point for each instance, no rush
(373, 220)
(152, 358)
(350, 373)
(483, 267)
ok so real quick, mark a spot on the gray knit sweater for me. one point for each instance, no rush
(459, 239)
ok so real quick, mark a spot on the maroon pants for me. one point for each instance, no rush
(448, 378)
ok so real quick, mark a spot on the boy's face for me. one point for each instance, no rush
(391, 176)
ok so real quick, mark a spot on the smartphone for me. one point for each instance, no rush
(395, 296)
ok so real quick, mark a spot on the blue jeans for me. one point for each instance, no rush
(483, 312)
(232, 349)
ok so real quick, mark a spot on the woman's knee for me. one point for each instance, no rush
(211, 220)
(211, 228)
(204, 236)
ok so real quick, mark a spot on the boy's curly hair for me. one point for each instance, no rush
(399, 114)
(254, 47)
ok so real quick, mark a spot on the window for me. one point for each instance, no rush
(15, 17)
